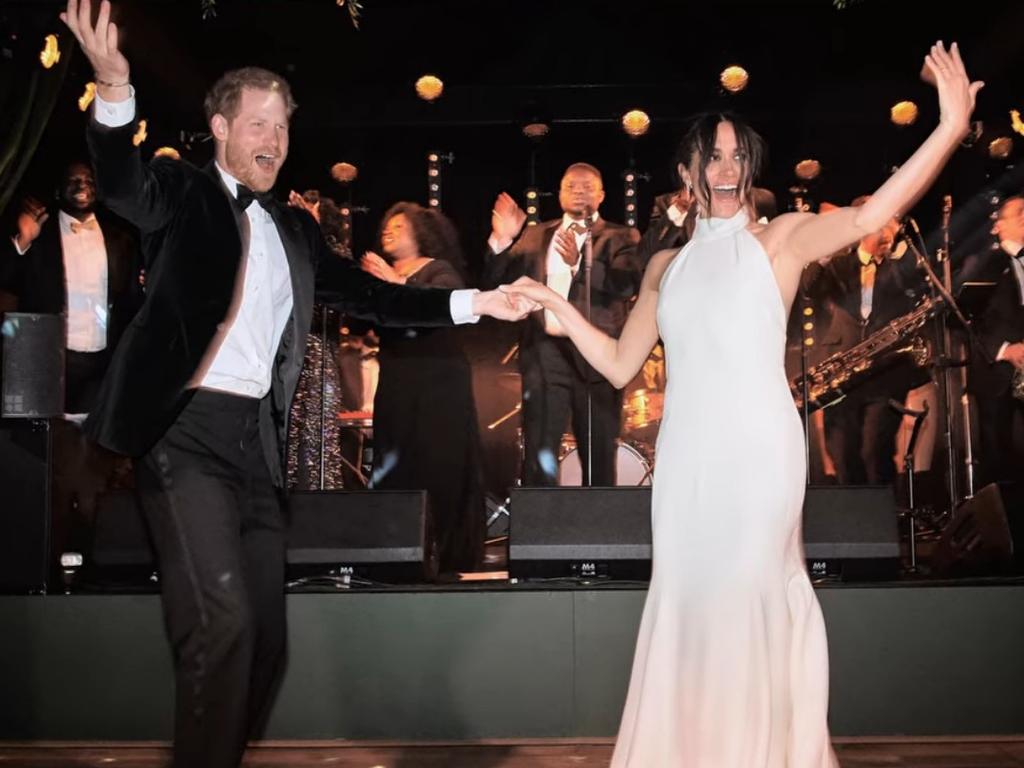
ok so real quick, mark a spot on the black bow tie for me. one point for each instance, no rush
(246, 196)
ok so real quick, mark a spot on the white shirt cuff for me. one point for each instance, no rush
(1002, 351)
(461, 304)
(18, 247)
(496, 245)
(114, 114)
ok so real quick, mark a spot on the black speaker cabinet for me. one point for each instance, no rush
(384, 536)
(570, 532)
(984, 536)
(25, 446)
(121, 548)
(851, 532)
(33, 365)
(606, 532)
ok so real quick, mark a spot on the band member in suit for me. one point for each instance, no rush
(555, 378)
(200, 386)
(991, 376)
(425, 432)
(859, 291)
(81, 262)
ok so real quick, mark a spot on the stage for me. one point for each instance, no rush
(499, 661)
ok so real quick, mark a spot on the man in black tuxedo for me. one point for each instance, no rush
(859, 292)
(1001, 332)
(671, 223)
(555, 377)
(82, 263)
(201, 383)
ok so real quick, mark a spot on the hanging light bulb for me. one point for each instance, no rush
(140, 135)
(344, 173)
(50, 54)
(86, 98)
(636, 122)
(429, 87)
(903, 113)
(734, 79)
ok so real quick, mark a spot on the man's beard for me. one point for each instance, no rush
(241, 165)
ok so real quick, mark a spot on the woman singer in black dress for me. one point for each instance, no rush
(425, 430)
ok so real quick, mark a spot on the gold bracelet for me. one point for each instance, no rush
(109, 84)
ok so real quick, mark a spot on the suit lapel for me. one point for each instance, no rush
(848, 270)
(545, 246)
(299, 265)
(52, 250)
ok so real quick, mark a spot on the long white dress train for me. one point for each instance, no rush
(731, 663)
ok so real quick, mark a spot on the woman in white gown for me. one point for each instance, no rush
(731, 662)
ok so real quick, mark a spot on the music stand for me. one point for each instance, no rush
(974, 296)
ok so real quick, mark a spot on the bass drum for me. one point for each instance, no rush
(631, 467)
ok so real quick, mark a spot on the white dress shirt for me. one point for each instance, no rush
(85, 275)
(243, 361)
(84, 253)
(867, 282)
(559, 274)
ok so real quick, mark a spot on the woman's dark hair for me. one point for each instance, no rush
(435, 235)
(700, 140)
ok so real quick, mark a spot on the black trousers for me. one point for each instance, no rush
(218, 526)
(555, 395)
(860, 434)
(83, 374)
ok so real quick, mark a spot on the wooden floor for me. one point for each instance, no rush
(893, 754)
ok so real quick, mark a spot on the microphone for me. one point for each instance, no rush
(908, 222)
(588, 246)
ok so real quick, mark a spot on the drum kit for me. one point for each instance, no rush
(642, 408)
(357, 436)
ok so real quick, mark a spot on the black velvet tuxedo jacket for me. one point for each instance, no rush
(38, 279)
(192, 248)
(663, 233)
(614, 281)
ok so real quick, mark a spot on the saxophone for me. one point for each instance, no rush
(829, 381)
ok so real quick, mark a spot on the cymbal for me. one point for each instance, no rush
(642, 408)
(355, 418)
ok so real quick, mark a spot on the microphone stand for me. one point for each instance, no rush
(588, 263)
(943, 287)
(947, 351)
(323, 396)
(806, 389)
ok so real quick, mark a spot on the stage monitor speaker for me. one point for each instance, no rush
(33, 365)
(25, 447)
(851, 532)
(381, 536)
(121, 547)
(985, 535)
(571, 532)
